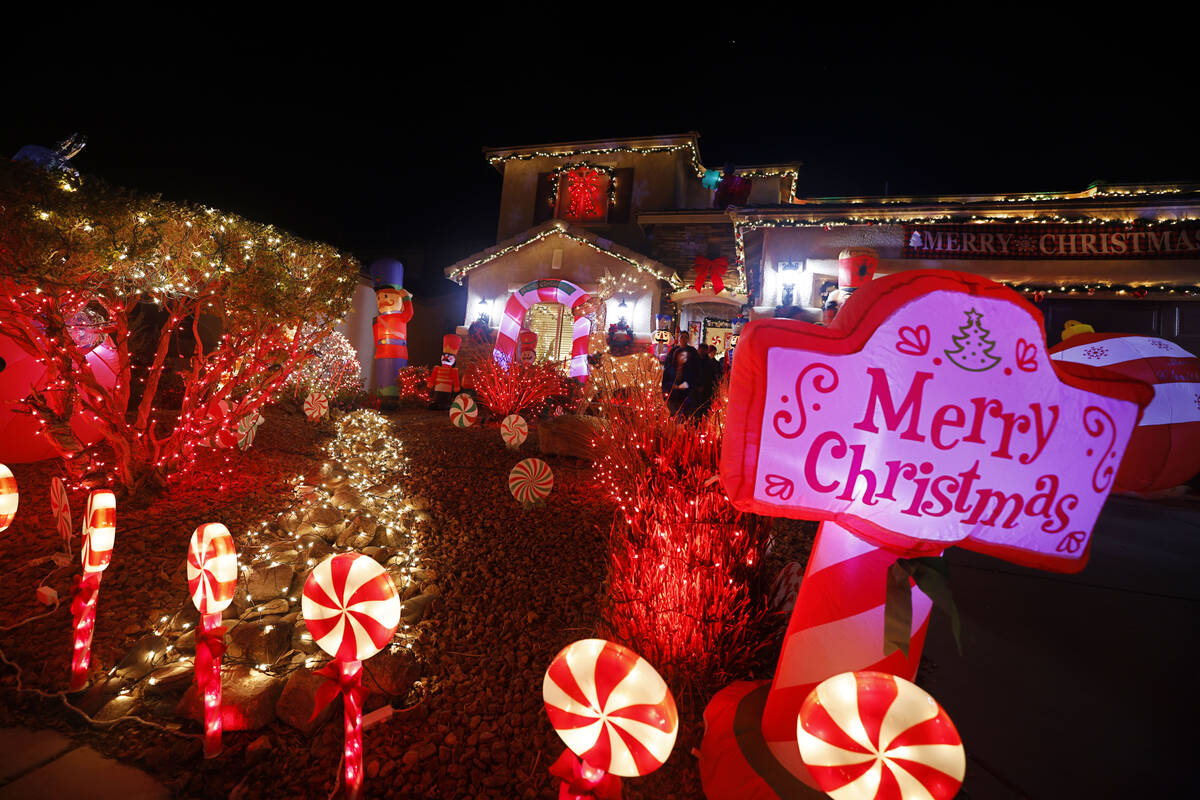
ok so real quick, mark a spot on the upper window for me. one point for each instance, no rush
(583, 192)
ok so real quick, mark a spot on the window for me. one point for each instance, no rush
(583, 193)
(553, 324)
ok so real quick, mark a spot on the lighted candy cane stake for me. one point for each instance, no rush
(212, 580)
(352, 609)
(612, 710)
(99, 532)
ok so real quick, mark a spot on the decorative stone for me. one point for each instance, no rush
(264, 583)
(248, 699)
(278, 606)
(258, 643)
(296, 702)
(170, 678)
(415, 608)
(391, 674)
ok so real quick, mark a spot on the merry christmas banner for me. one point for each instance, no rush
(928, 414)
(1052, 241)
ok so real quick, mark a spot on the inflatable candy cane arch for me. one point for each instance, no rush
(352, 609)
(928, 414)
(99, 533)
(212, 574)
(545, 291)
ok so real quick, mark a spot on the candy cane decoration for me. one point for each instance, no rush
(8, 497)
(463, 411)
(611, 709)
(871, 735)
(514, 430)
(530, 481)
(545, 291)
(351, 608)
(60, 507)
(99, 533)
(316, 405)
(247, 427)
(212, 574)
(837, 626)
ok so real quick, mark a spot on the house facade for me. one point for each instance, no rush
(660, 240)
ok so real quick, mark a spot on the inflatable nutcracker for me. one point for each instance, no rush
(443, 379)
(662, 336)
(738, 324)
(856, 266)
(391, 326)
(526, 346)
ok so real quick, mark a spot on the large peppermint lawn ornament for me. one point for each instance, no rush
(99, 534)
(463, 411)
(60, 507)
(927, 414)
(9, 498)
(247, 427)
(1164, 450)
(611, 709)
(212, 573)
(351, 608)
(873, 736)
(530, 481)
(514, 430)
(316, 406)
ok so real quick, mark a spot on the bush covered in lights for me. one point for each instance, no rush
(334, 370)
(174, 290)
(515, 387)
(684, 563)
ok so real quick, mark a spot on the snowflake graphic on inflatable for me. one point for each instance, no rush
(1025, 245)
(1095, 352)
(1160, 344)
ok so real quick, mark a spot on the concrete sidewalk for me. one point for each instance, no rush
(1078, 686)
(46, 764)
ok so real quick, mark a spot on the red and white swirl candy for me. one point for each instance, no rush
(99, 530)
(610, 707)
(247, 427)
(212, 568)
(531, 480)
(60, 507)
(514, 430)
(350, 606)
(8, 497)
(876, 736)
(463, 411)
(316, 405)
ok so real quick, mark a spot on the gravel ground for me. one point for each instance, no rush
(516, 586)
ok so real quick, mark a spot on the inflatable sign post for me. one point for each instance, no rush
(928, 414)
(212, 574)
(352, 609)
(99, 532)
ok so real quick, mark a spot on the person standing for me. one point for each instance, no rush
(678, 358)
(701, 376)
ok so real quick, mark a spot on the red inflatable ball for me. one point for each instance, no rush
(1164, 450)
(21, 440)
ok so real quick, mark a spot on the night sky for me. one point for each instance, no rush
(368, 136)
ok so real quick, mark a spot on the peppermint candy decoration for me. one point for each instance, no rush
(247, 427)
(531, 481)
(316, 405)
(514, 430)
(99, 530)
(610, 707)
(212, 569)
(463, 411)
(350, 606)
(60, 507)
(874, 735)
(8, 497)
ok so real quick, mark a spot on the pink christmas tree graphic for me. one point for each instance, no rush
(973, 348)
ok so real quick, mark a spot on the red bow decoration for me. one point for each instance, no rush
(578, 786)
(85, 589)
(711, 268)
(348, 683)
(210, 646)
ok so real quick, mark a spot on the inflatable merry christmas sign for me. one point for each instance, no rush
(929, 414)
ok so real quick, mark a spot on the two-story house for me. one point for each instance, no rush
(577, 212)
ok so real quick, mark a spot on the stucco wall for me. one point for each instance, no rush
(356, 327)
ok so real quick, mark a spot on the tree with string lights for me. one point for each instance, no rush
(204, 313)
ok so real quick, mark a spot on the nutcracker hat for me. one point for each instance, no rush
(450, 343)
(388, 273)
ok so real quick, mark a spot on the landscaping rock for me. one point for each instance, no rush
(295, 705)
(248, 699)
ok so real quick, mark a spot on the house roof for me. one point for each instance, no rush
(557, 227)
(690, 142)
